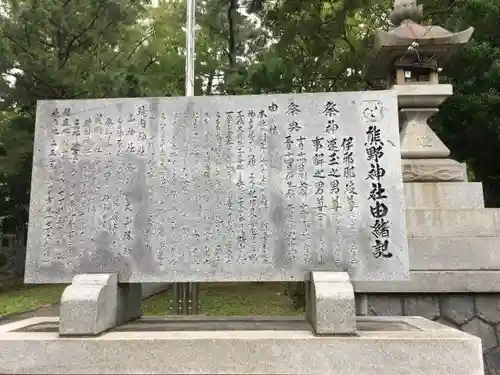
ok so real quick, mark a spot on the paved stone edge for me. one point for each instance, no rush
(436, 282)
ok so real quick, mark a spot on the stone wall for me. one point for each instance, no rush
(474, 313)
(454, 262)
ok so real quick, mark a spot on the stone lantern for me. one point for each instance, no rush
(408, 57)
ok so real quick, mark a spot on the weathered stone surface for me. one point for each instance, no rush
(492, 361)
(454, 253)
(216, 188)
(449, 223)
(89, 305)
(385, 305)
(446, 322)
(484, 331)
(418, 140)
(488, 308)
(95, 303)
(437, 282)
(444, 195)
(422, 95)
(424, 350)
(331, 307)
(433, 170)
(129, 303)
(457, 308)
(425, 306)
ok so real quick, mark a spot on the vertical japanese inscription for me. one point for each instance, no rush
(291, 165)
(66, 211)
(60, 178)
(374, 144)
(119, 135)
(303, 191)
(252, 195)
(86, 154)
(184, 147)
(209, 206)
(219, 193)
(146, 145)
(263, 201)
(73, 162)
(350, 192)
(106, 204)
(195, 183)
(50, 203)
(319, 177)
(331, 113)
(252, 188)
(349, 172)
(241, 235)
(230, 202)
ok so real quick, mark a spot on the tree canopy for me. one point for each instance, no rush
(62, 49)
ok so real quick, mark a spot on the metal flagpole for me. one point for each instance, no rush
(186, 295)
(190, 43)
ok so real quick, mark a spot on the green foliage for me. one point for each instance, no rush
(231, 299)
(3, 259)
(66, 49)
(297, 293)
(320, 46)
(57, 50)
(469, 122)
(16, 137)
(20, 298)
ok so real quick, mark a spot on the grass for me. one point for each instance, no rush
(217, 299)
(17, 297)
(232, 299)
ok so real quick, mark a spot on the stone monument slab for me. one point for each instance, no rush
(242, 188)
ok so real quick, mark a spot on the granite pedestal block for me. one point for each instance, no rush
(445, 195)
(95, 303)
(389, 346)
(331, 307)
(433, 170)
(478, 222)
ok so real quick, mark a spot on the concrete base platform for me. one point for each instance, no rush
(276, 345)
